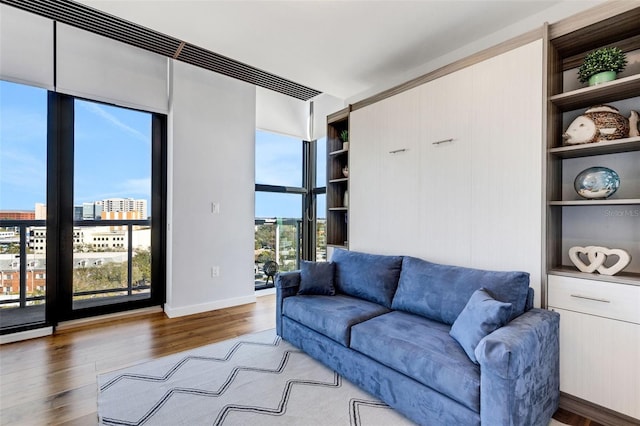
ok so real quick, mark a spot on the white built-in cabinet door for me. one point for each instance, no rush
(445, 169)
(474, 201)
(384, 193)
(365, 198)
(599, 361)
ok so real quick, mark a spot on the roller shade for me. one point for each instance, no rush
(283, 114)
(95, 67)
(26, 48)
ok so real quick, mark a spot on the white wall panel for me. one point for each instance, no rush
(507, 162)
(26, 48)
(99, 68)
(212, 146)
(365, 201)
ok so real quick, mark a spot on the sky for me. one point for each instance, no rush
(113, 155)
(279, 162)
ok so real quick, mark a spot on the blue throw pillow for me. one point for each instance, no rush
(317, 278)
(480, 317)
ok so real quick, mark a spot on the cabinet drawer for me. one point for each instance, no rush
(609, 300)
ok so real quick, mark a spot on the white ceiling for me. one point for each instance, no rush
(343, 48)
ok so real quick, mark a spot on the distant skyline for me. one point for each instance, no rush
(113, 155)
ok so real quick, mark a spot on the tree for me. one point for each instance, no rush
(141, 265)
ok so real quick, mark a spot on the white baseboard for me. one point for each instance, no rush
(25, 335)
(102, 318)
(206, 307)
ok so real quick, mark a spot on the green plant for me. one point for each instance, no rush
(344, 136)
(600, 60)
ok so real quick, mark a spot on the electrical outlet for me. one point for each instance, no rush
(215, 208)
(215, 271)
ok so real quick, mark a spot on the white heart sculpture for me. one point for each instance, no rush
(624, 259)
(596, 258)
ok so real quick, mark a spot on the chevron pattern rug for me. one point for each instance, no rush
(257, 379)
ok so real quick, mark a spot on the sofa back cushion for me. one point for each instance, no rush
(371, 277)
(440, 292)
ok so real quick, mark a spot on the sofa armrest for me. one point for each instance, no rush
(519, 367)
(287, 284)
(288, 279)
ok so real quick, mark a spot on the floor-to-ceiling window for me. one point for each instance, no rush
(111, 204)
(278, 201)
(82, 207)
(290, 204)
(107, 175)
(23, 189)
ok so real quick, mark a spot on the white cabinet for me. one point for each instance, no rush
(451, 170)
(445, 171)
(599, 341)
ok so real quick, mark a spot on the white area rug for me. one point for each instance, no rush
(256, 379)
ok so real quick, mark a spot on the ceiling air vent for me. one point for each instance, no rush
(98, 22)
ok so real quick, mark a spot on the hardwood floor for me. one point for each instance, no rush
(52, 380)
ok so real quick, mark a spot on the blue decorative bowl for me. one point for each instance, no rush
(596, 183)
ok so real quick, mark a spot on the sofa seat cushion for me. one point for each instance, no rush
(331, 316)
(423, 350)
(440, 292)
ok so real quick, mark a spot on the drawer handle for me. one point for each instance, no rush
(590, 298)
(395, 151)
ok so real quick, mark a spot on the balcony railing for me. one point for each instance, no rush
(20, 260)
(31, 262)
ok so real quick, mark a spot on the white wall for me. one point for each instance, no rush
(211, 160)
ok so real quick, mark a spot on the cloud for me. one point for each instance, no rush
(102, 113)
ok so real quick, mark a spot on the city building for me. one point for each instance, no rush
(113, 205)
(17, 215)
(41, 211)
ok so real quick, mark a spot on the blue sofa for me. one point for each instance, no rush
(412, 333)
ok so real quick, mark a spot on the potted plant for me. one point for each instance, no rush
(602, 65)
(344, 137)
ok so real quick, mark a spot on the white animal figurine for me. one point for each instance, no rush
(600, 123)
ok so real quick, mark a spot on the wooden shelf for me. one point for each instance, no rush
(337, 160)
(339, 180)
(338, 245)
(339, 152)
(616, 90)
(608, 202)
(597, 148)
(630, 278)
